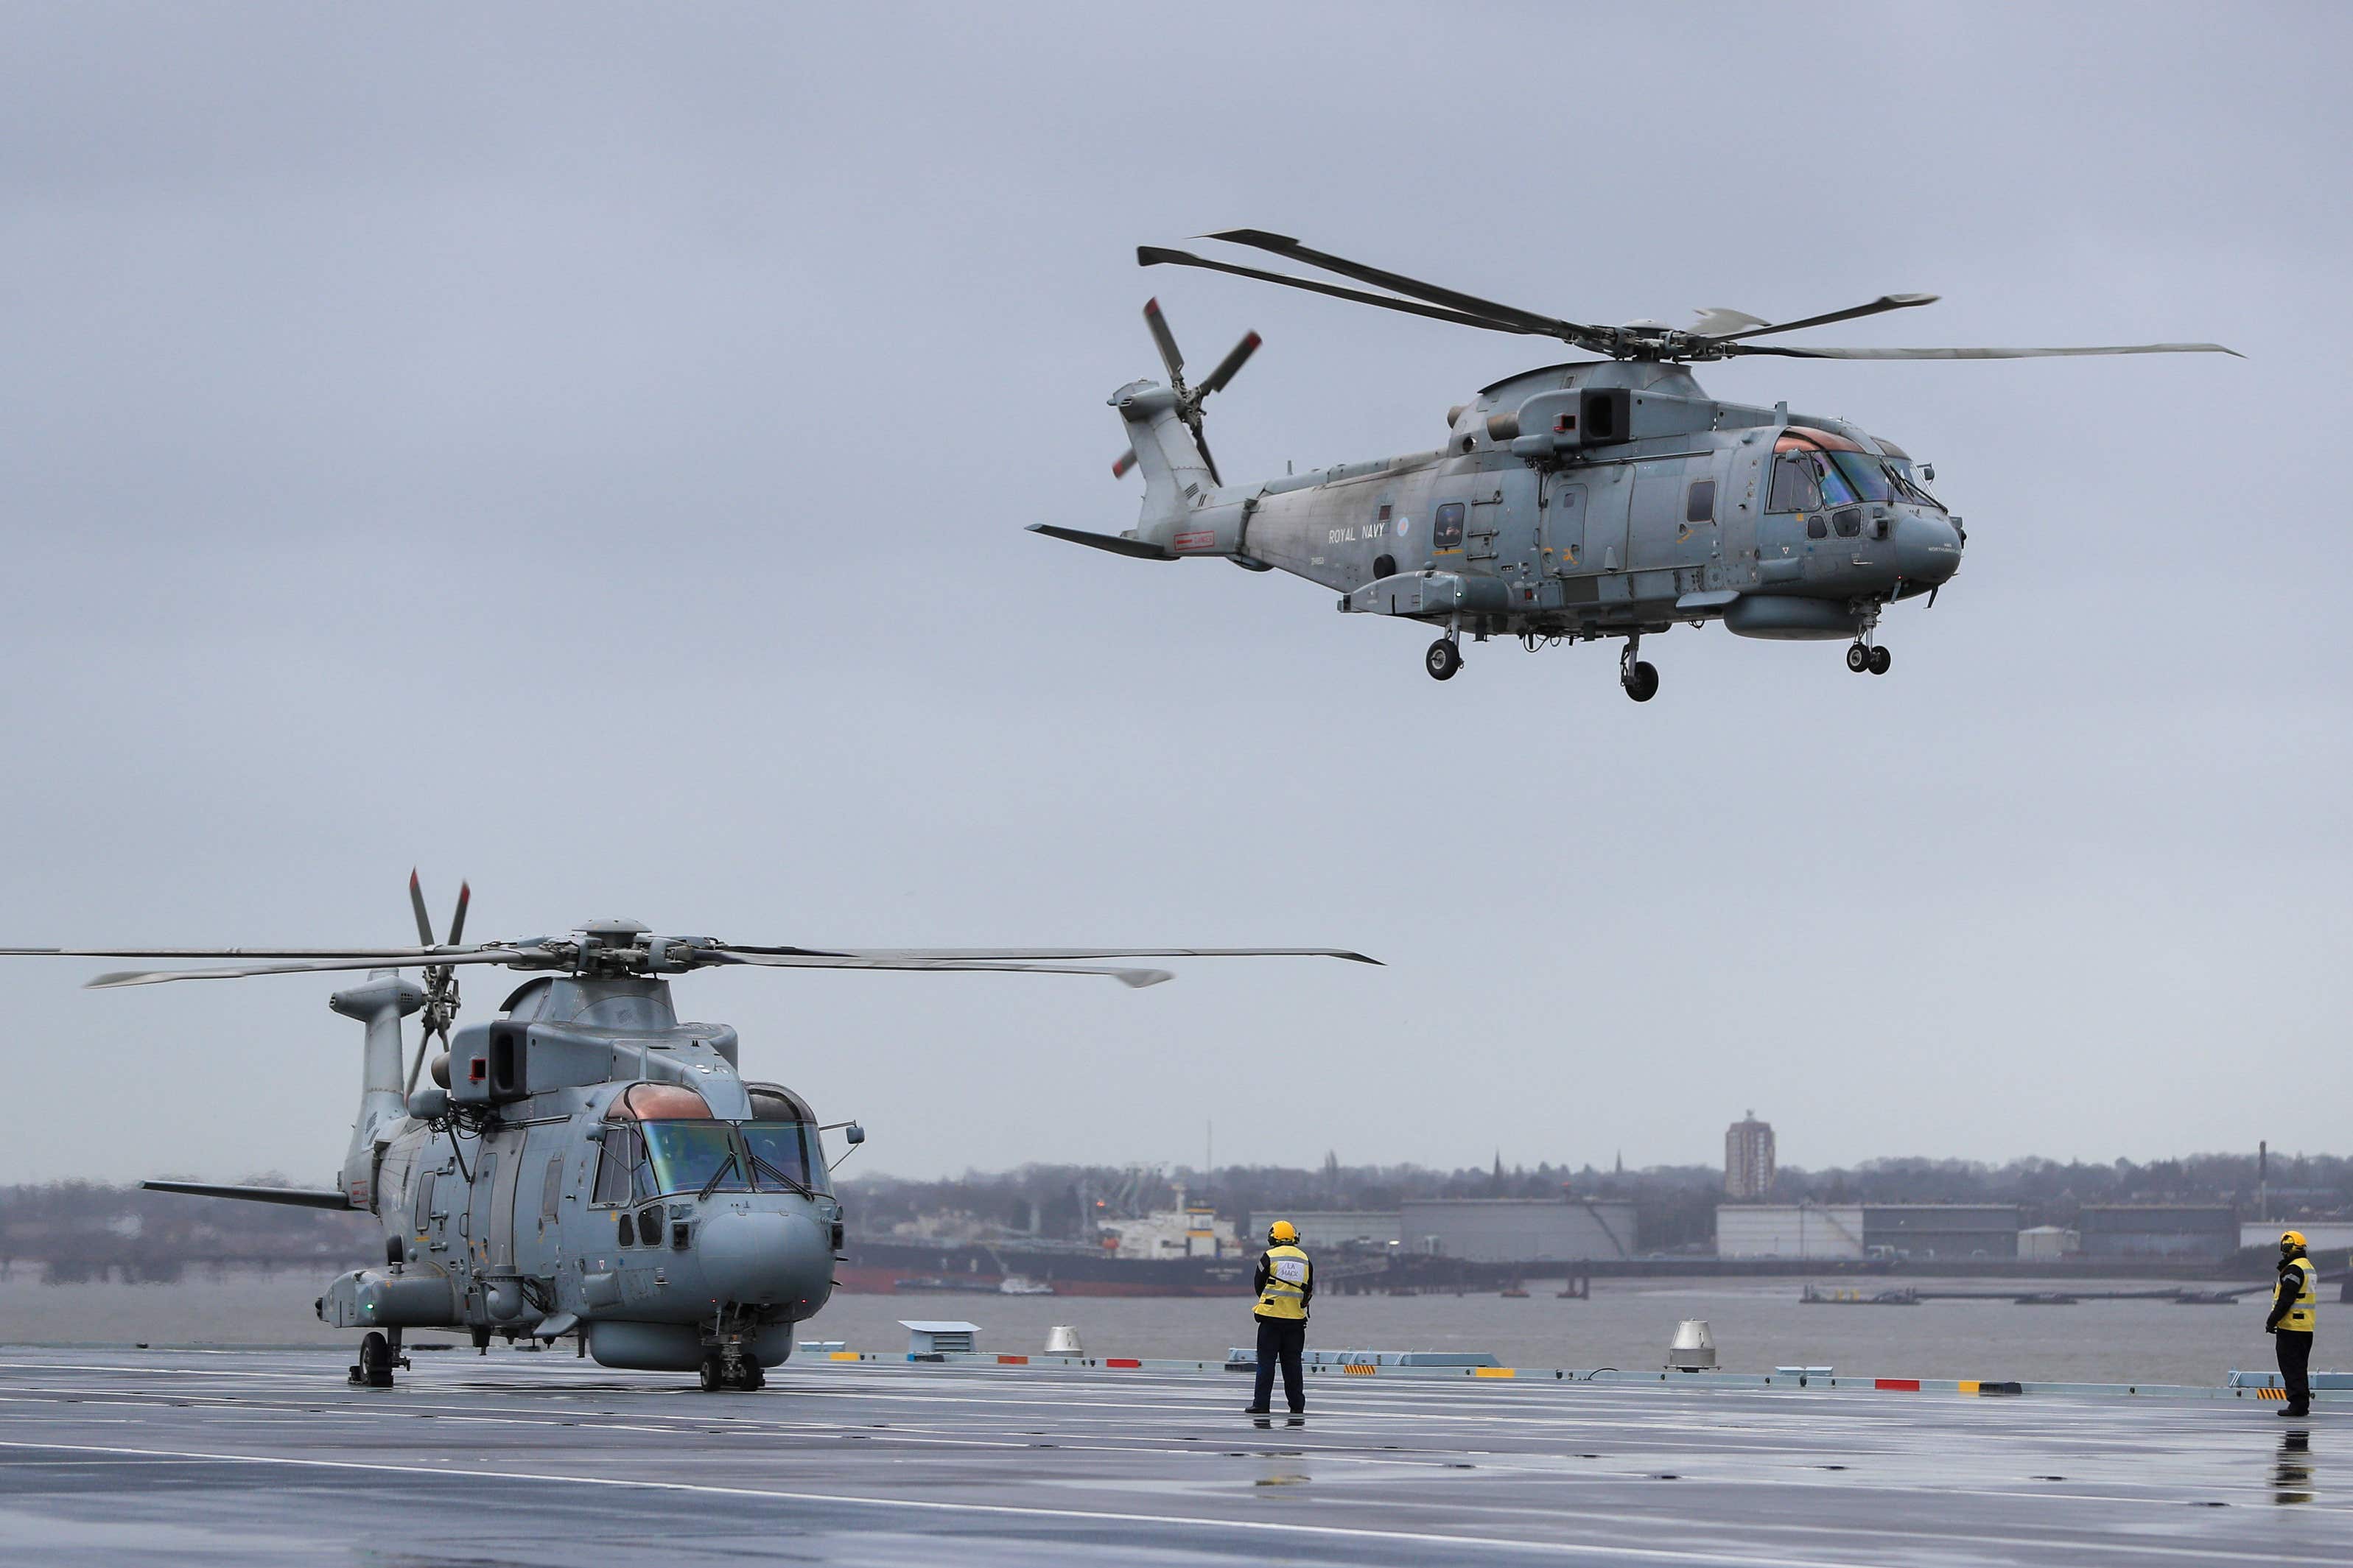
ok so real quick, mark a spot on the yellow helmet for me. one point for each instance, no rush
(1282, 1233)
(2291, 1238)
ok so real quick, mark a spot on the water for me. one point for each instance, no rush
(1758, 1324)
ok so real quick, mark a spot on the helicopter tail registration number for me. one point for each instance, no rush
(1205, 538)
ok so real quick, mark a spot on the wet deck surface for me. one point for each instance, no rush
(119, 1457)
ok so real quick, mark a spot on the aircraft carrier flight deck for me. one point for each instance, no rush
(193, 1457)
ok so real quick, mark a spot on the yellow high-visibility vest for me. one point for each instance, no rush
(2297, 1278)
(1288, 1273)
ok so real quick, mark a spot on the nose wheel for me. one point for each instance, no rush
(1873, 660)
(1443, 660)
(378, 1355)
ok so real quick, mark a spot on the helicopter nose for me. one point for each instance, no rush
(1927, 548)
(761, 1258)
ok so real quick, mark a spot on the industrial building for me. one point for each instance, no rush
(1827, 1231)
(1333, 1228)
(1833, 1232)
(1940, 1230)
(1748, 1158)
(2168, 1232)
(1520, 1230)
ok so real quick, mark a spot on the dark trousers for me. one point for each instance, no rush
(1283, 1340)
(2294, 1360)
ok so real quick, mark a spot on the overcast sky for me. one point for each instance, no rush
(586, 451)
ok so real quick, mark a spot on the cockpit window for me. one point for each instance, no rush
(687, 1155)
(1794, 485)
(1907, 482)
(784, 1156)
(1865, 477)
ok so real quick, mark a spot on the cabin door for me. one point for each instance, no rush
(1564, 529)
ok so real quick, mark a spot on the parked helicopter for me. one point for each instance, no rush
(1607, 498)
(586, 1164)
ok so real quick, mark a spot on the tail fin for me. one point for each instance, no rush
(381, 1004)
(1174, 472)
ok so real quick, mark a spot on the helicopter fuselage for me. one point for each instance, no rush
(1585, 501)
(590, 1164)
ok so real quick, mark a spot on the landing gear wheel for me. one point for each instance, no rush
(750, 1377)
(1640, 680)
(1879, 660)
(714, 1375)
(374, 1370)
(1443, 660)
(1858, 658)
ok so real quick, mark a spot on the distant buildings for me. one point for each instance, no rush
(1854, 1231)
(1748, 1158)
(1520, 1230)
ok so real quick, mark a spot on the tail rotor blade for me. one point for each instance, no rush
(1165, 339)
(1234, 361)
(1126, 462)
(1203, 443)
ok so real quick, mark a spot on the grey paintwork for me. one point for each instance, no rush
(512, 1199)
(1608, 497)
(490, 1201)
(1561, 534)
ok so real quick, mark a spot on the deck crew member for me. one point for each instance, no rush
(1285, 1282)
(2290, 1324)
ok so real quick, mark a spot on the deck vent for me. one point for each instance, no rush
(926, 1338)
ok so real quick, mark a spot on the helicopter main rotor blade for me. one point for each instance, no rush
(457, 921)
(1134, 978)
(1156, 255)
(521, 958)
(383, 957)
(1166, 339)
(1885, 303)
(1985, 354)
(1283, 245)
(992, 954)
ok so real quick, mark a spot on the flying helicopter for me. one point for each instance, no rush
(586, 1165)
(1605, 498)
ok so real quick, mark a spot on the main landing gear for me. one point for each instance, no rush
(1875, 660)
(1443, 660)
(1638, 676)
(746, 1375)
(378, 1355)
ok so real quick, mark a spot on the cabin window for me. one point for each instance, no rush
(424, 1202)
(1849, 522)
(551, 1190)
(1817, 527)
(1699, 506)
(1794, 488)
(1446, 528)
(628, 1231)
(650, 1227)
